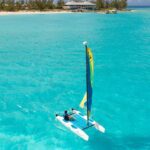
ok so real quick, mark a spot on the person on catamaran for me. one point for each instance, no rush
(68, 117)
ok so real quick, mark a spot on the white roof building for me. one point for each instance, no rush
(79, 5)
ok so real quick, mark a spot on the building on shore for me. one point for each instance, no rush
(72, 5)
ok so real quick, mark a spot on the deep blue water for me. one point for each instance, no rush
(42, 71)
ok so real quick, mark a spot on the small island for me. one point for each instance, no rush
(107, 6)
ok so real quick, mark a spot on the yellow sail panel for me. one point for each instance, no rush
(82, 104)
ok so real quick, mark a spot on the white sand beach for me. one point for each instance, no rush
(54, 11)
(32, 12)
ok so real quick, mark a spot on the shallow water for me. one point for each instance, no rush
(42, 71)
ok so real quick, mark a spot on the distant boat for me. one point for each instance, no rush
(79, 122)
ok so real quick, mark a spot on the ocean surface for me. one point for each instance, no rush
(42, 71)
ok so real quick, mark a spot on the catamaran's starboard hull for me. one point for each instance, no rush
(70, 125)
(95, 124)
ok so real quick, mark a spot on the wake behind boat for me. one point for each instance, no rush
(75, 121)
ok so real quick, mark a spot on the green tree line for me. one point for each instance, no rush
(11, 5)
(104, 4)
(41, 5)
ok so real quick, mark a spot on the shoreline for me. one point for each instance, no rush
(32, 12)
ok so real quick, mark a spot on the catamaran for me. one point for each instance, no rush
(80, 123)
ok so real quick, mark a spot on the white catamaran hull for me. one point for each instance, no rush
(73, 128)
(78, 130)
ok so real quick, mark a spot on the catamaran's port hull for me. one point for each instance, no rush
(70, 125)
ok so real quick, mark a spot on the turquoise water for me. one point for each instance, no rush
(42, 71)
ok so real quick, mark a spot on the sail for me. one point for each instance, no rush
(87, 99)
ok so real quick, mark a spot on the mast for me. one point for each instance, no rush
(86, 57)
